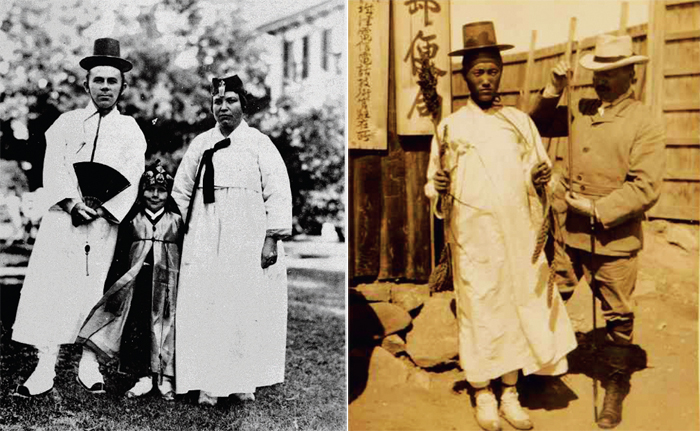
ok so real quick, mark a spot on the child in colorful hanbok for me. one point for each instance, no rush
(135, 319)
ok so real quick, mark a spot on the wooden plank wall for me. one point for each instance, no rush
(678, 97)
(680, 101)
(388, 217)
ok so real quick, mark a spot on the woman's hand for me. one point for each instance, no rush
(268, 257)
(442, 181)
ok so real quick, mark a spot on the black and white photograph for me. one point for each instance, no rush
(523, 207)
(172, 216)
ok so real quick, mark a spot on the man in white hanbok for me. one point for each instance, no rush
(493, 160)
(232, 186)
(64, 281)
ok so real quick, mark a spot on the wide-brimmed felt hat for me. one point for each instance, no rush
(478, 35)
(106, 53)
(611, 52)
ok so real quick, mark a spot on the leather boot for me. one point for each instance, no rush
(615, 392)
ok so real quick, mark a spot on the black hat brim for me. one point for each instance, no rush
(88, 63)
(461, 52)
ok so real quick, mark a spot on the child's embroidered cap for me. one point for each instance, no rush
(156, 175)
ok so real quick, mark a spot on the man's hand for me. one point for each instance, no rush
(578, 204)
(442, 181)
(82, 214)
(559, 78)
(268, 257)
(541, 174)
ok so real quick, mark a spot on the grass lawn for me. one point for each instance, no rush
(313, 396)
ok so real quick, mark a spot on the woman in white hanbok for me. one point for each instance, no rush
(233, 188)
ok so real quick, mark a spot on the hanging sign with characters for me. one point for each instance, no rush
(368, 47)
(421, 33)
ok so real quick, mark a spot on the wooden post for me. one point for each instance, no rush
(525, 102)
(656, 40)
(624, 13)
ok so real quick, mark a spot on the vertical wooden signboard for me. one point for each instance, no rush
(421, 27)
(368, 54)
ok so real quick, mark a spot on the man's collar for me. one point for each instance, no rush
(610, 109)
(91, 110)
(496, 106)
(627, 94)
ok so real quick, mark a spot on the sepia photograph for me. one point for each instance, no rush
(172, 215)
(523, 207)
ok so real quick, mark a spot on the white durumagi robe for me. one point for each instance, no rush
(231, 324)
(57, 294)
(505, 323)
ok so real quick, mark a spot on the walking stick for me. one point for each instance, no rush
(569, 120)
(592, 286)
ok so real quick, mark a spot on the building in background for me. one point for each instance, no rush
(306, 54)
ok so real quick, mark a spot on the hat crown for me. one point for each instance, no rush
(609, 46)
(479, 35)
(106, 46)
(106, 52)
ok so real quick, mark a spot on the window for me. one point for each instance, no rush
(288, 59)
(326, 49)
(305, 64)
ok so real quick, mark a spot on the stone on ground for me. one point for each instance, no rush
(419, 378)
(682, 236)
(386, 370)
(375, 292)
(374, 321)
(394, 344)
(433, 340)
(410, 296)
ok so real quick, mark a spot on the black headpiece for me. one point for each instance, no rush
(231, 83)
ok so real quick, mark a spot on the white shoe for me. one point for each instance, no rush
(512, 411)
(207, 399)
(141, 388)
(166, 389)
(487, 410)
(89, 371)
(42, 378)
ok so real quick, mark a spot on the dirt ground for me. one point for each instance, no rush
(664, 395)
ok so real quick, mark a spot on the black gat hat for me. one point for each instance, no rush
(106, 53)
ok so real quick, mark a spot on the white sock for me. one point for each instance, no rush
(42, 377)
(89, 368)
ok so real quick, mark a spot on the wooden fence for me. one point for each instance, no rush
(388, 219)
(670, 83)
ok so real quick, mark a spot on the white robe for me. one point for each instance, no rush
(230, 333)
(57, 294)
(504, 321)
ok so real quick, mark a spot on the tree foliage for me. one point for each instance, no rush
(312, 144)
(176, 47)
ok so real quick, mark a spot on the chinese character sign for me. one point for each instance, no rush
(368, 48)
(421, 29)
